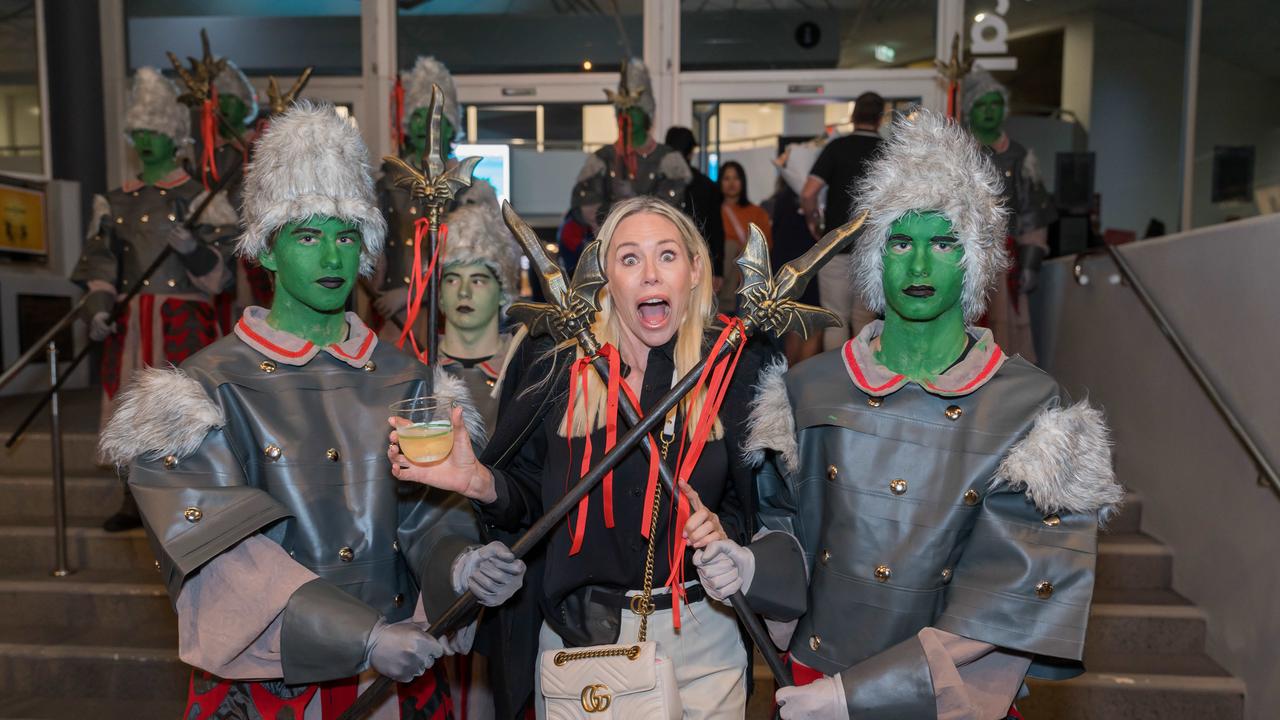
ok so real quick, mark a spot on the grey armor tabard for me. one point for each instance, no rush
(1030, 206)
(662, 173)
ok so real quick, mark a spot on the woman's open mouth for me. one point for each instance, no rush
(919, 291)
(653, 312)
(333, 283)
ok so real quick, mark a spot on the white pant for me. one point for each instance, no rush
(710, 660)
(836, 292)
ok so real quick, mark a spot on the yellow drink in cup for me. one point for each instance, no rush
(427, 442)
(428, 436)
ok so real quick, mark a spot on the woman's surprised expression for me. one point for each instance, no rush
(651, 278)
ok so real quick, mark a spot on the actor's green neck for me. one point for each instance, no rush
(322, 327)
(922, 350)
(157, 170)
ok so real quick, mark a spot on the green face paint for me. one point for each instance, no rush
(923, 282)
(316, 263)
(155, 152)
(986, 117)
(640, 123)
(235, 112)
(470, 296)
(417, 134)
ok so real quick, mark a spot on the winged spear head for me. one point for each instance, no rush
(435, 185)
(198, 79)
(768, 302)
(278, 102)
(572, 306)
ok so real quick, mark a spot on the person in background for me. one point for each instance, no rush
(738, 213)
(791, 239)
(841, 165)
(702, 202)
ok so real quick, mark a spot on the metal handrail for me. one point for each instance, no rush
(39, 345)
(1206, 384)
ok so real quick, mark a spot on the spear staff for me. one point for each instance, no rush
(768, 304)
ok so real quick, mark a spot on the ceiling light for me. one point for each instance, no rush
(586, 64)
(979, 17)
(884, 53)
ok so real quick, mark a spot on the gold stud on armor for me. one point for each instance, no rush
(346, 554)
(332, 454)
(145, 218)
(192, 514)
(370, 366)
(267, 366)
(970, 497)
(883, 573)
(398, 600)
(832, 471)
(875, 401)
(825, 557)
(946, 575)
(1052, 520)
(119, 220)
(1044, 589)
(170, 461)
(898, 486)
(815, 642)
(953, 412)
(272, 452)
(171, 283)
(173, 218)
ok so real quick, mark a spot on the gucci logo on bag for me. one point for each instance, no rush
(596, 698)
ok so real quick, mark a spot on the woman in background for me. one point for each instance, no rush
(738, 213)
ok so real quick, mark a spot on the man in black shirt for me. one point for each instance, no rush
(702, 201)
(839, 168)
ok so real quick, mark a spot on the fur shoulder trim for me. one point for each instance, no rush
(1064, 463)
(592, 167)
(100, 211)
(451, 387)
(771, 426)
(163, 412)
(674, 167)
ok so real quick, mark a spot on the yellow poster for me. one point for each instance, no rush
(22, 220)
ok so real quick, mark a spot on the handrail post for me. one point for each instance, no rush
(60, 568)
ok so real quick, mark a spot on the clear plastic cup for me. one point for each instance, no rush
(428, 437)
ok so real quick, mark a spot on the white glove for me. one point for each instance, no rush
(392, 302)
(402, 651)
(460, 642)
(100, 326)
(822, 699)
(182, 240)
(724, 568)
(492, 573)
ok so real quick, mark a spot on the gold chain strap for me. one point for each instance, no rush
(563, 657)
(642, 604)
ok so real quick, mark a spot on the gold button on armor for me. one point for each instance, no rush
(170, 460)
(490, 382)
(970, 497)
(832, 471)
(395, 545)
(135, 193)
(898, 486)
(875, 401)
(346, 554)
(406, 279)
(398, 600)
(815, 642)
(192, 514)
(146, 283)
(946, 575)
(171, 283)
(332, 454)
(413, 210)
(119, 220)
(172, 217)
(825, 557)
(883, 573)
(1052, 520)
(272, 452)
(267, 366)
(953, 412)
(163, 192)
(370, 366)
(1044, 589)
(157, 566)
(145, 218)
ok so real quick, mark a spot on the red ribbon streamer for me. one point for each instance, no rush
(578, 376)
(209, 136)
(397, 112)
(625, 151)
(419, 281)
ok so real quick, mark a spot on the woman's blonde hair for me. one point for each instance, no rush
(689, 336)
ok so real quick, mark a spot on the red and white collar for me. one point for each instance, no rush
(176, 177)
(963, 378)
(488, 367)
(290, 349)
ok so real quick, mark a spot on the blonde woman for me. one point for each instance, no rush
(657, 310)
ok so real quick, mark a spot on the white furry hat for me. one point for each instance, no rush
(979, 82)
(310, 162)
(428, 71)
(931, 163)
(231, 81)
(478, 234)
(153, 105)
(634, 88)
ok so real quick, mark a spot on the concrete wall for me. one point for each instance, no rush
(1201, 492)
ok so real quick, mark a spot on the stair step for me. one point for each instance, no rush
(1136, 696)
(29, 500)
(17, 707)
(88, 598)
(1133, 560)
(34, 669)
(1153, 629)
(31, 455)
(31, 547)
(1128, 519)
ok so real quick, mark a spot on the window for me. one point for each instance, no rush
(21, 124)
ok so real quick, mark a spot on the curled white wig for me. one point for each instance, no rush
(428, 71)
(153, 105)
(930, 163)
(477, 234)
(979, 82)
(310, 162)
(232, 81)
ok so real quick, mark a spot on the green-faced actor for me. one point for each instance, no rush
(938, 498)
(292, 554)
(176, 312)
(636, 164)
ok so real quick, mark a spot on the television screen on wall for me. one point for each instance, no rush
(23, 224)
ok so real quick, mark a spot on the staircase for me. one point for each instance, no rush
(102, 643)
